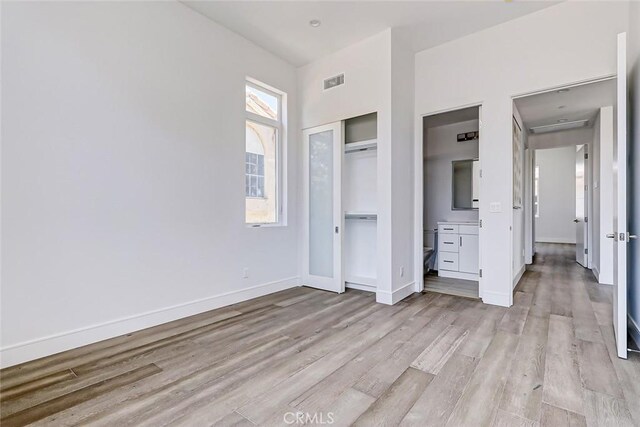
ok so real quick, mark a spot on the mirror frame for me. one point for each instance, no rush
(453, 164)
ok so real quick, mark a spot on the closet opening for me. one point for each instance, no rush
(451, 197)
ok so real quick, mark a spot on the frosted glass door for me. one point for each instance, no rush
(321, 228)
(323, 158)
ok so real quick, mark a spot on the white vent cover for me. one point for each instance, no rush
(334, 81)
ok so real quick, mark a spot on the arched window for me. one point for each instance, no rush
(264, 131)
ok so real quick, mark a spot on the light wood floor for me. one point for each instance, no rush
(432, 359)
(446, 285)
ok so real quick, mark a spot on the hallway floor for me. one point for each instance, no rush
(432, 359)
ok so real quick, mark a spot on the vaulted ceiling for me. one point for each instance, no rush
(282, 27)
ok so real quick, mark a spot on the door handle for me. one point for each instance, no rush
(611, 236)
(576, 221)
(633, 236)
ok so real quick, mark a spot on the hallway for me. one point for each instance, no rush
(432, 359)
(568, 344)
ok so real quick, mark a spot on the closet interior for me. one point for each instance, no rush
(359, 187)
(451, 185)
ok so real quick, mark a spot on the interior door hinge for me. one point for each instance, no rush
(480, 272)
(586, 251)
(480, 224)
(586, 219)
(586, 155)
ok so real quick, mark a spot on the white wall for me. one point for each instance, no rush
(561, 139)
(440, 149)
(123, 172)
(402, 174)
(556, 195)
(634, 173)
(554, 54)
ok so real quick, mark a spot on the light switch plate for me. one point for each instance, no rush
(495, 207)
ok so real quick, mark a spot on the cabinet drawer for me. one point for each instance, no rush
(447, 228)
(447, 261)
(448, 242)
(468, 229)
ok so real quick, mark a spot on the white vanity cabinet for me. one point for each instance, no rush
(458, 250)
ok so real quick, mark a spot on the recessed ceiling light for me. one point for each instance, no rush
(563, 90)
(315, 23)
(562, 120)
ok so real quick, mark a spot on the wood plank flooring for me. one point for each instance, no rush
(305, 356)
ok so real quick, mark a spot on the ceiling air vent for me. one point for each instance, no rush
(334, 81)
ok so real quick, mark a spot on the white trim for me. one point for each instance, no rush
(52, 344)
(516, 279)
(496, 298)
(596, 273)
(634, 329)
(554, 240)
(391, 298)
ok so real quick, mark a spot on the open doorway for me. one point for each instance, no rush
(568, 140)
(451, 174)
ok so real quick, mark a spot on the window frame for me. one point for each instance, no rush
(280, 126)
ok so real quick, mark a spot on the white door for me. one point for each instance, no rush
(581, 207)
(468, 253)
(323, 218)
(620, 234)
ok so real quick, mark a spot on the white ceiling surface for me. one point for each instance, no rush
(282, 27)
(580, 103)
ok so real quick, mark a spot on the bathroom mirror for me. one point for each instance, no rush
(465, 178)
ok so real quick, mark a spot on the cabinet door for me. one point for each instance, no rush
(322, 208)
(468, 253)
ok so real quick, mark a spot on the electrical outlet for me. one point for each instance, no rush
(401, 271)
(495, 207)
(245, 273)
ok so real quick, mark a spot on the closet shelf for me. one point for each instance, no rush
(368, 216)
(352, 147)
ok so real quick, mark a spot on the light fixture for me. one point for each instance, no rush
(560, 126)
(315, 23)
(563, 90)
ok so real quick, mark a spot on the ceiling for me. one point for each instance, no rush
(282, 27)
(578, 103)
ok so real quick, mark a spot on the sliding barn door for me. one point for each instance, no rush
(323, 217)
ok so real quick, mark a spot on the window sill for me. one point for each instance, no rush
(267, 225)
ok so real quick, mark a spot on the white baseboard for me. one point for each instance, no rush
(518, 277)
(391, 298)
(555, 240)
(52, 344)
(596, 273)
(496, 298)
(634, 330)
